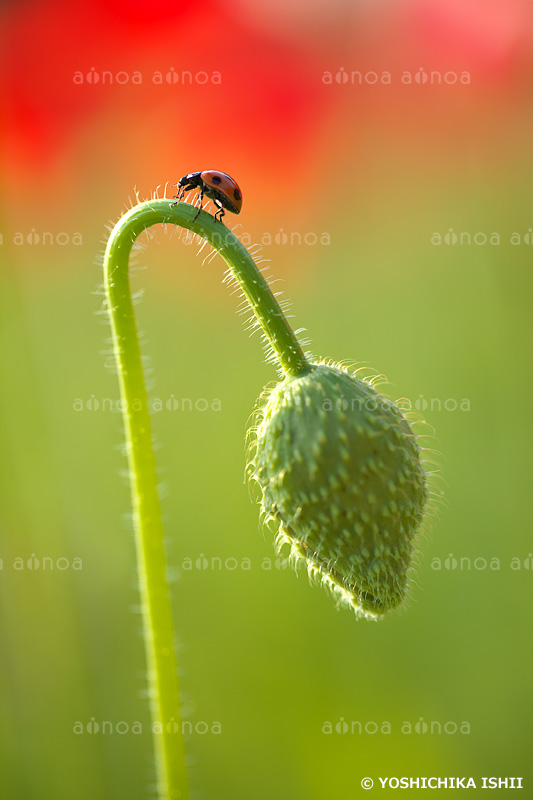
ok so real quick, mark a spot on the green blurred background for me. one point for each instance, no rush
(373, 170)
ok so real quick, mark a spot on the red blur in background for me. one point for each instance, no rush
(101, 92)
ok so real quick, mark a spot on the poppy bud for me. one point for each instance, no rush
(340, 472)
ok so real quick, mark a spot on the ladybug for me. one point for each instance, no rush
(216, 185)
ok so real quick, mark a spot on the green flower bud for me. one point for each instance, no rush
(340, 471)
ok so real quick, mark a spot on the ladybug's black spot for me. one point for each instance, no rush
(216, 179)
(237, 194)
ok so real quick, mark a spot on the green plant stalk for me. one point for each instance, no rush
(171, 772)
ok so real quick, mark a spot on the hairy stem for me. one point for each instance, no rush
(172, 783)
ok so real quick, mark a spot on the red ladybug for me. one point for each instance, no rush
(222, 190)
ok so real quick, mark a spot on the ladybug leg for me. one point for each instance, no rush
(180, 194)
(220, 210)
(201, 201)
(186, 188)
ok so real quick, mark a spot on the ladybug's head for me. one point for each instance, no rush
(190, 180)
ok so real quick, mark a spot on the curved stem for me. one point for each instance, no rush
(171, 770)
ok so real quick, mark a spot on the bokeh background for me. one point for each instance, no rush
(360, 133)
